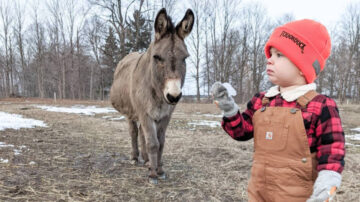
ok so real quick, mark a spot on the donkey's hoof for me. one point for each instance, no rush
(162, 176)
(153, 180)
(147, 164)
(134, 162)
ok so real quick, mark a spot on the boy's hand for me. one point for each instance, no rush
(324, 186)
(223, 100)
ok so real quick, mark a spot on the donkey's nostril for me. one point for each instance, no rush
(173, 99)
(178, 97)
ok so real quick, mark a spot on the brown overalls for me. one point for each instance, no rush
(283, 169)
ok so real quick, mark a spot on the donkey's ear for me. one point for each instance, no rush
(184, 27)
(162, 24)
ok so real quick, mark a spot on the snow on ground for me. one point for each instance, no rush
(78, 109)
(212, 124)
(111, 118)
(356, 129)
(355, 145)
(3, 144)
(16, 121)
(117, 118)
(17, 151)
(354, 137)
(213, 115)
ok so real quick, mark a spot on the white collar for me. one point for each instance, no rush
(293, 94)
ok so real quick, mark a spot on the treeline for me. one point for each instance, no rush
(71, 48)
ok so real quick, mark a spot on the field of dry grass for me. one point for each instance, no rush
(86, 158)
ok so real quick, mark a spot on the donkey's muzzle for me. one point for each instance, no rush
(173, 100)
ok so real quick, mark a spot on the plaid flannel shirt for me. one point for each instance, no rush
(321, 120)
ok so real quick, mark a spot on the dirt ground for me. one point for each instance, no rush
(86, 158)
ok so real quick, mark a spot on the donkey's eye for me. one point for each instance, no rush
(158, 58)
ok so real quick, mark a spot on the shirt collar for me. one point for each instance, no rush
(293, 94)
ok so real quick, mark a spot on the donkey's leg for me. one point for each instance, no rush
(152, 145)
(133, 130)
(161, 129)
(144, 154)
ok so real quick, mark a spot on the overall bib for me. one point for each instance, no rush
(283, 169)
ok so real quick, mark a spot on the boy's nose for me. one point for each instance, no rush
(269, 62)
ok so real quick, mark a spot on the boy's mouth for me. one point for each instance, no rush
(269, 71)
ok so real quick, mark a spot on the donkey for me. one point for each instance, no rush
(147, 87)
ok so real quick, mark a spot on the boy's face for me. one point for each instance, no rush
(282, 71)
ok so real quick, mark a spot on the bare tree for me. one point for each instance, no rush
(38, 48)
(19, 31)
(287, 17)
(169, 5)
(75, 17)
(79, 54)
(95, 31)
(6, 18)
(56, 23)
(195, 44)
(242, 59)
(351, 37)
(258, 26)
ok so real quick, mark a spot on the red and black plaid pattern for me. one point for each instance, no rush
(321, 120)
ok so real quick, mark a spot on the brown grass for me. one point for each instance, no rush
(86, 158)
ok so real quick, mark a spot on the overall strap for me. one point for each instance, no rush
(305, 99)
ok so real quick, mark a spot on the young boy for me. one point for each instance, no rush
(298, 138)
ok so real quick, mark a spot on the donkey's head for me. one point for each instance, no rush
(169, 53)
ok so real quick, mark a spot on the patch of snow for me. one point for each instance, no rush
(78, 109)
(16, 121)
(212, 124)
(4, 160)
(118, 118)
(3, 144)
(17, 152)
(353, 137)
(32, 163)
(111, 118)
(213, 115)
(355, 129)
(356, 145)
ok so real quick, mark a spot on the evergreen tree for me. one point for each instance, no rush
(110, 51)
(110, 58)
(138, 33)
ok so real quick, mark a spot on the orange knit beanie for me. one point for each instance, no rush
(305, 42)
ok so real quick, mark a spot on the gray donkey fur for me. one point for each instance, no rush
(147, 87)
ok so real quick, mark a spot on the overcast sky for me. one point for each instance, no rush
(327, 12)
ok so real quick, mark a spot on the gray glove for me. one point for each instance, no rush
(324, 182)
(225, 102)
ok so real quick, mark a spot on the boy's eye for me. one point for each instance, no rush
(278, 54)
